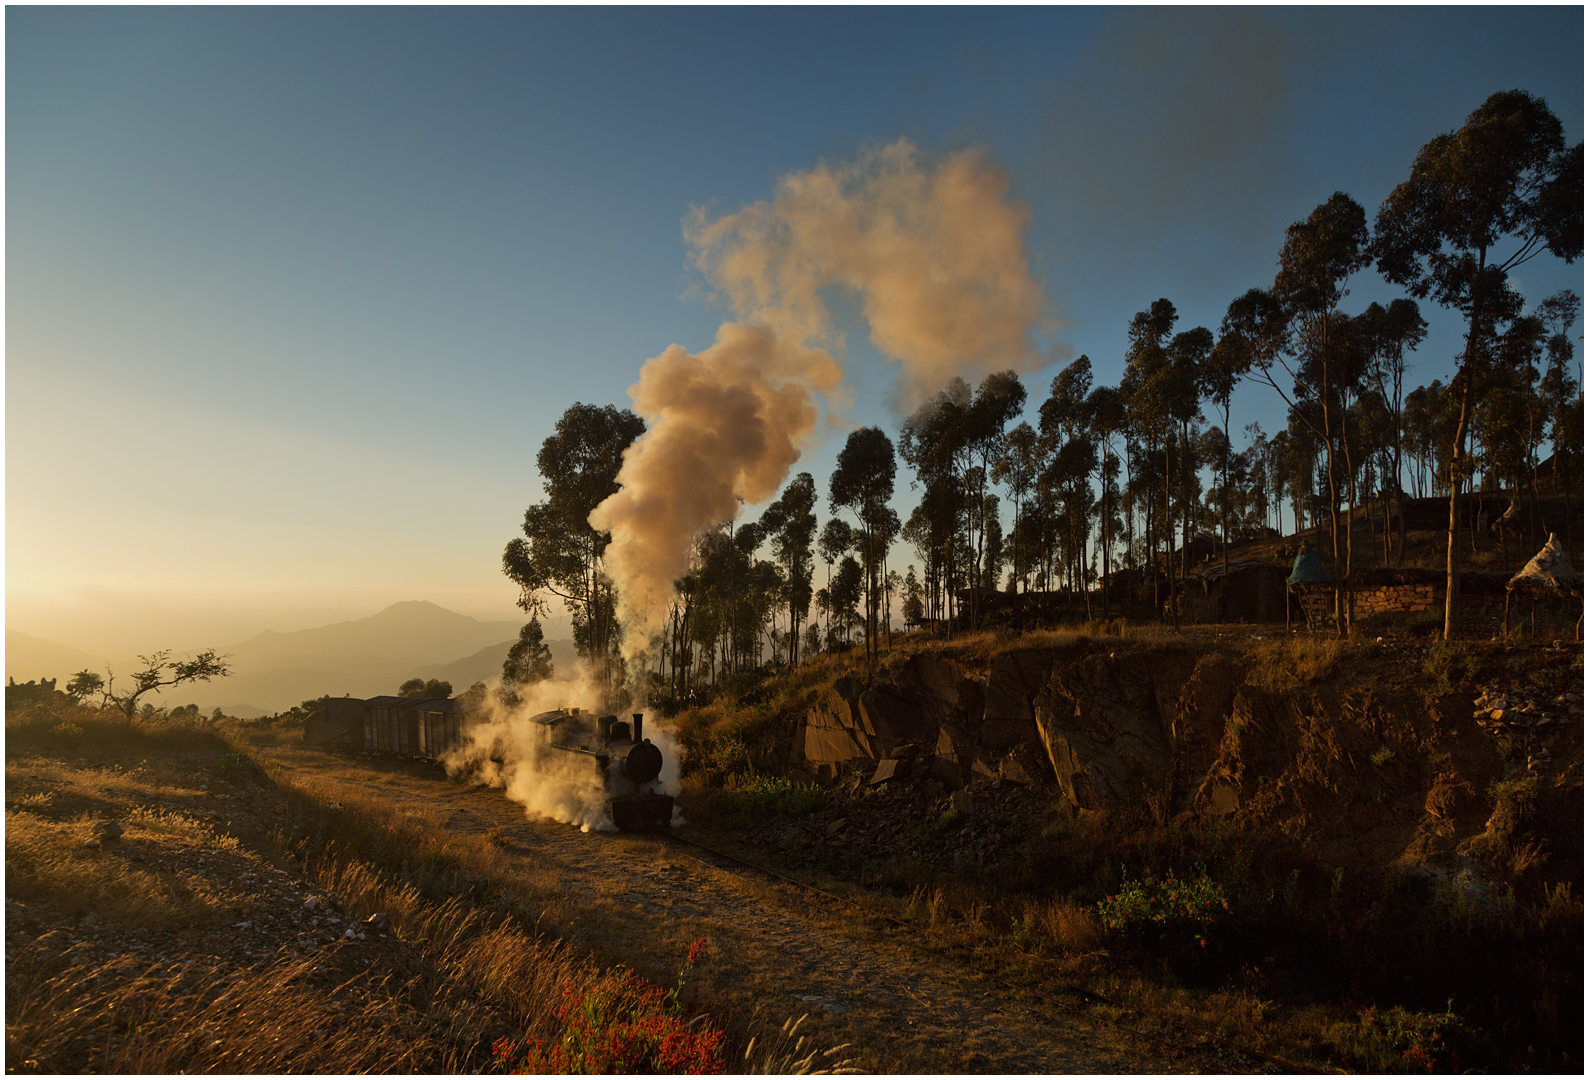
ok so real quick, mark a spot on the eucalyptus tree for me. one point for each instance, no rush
(529, 661)
(1480, 202)
(1419, 432)
(932, 443)
(844, 594)
(560, 553)
(1148, 385)
(791, 524)
(1065, 440)
(836, 539)
(1562, 392)
(912, 608)
(931, 529)
(1106, 414)
(863, 483)
(1391, 333)
(1017, 469)
(999, 401)
(1189, 352)
(1319, 254)
(961, 436)
(1218, 378)
(1508, 414)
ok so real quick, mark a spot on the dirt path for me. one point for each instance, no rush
(641, 899)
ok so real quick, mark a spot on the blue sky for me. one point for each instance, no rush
(294, 295)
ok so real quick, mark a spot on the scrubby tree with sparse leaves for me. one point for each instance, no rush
(160, 672)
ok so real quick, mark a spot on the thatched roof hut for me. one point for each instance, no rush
(1549, 573)
(1548, 576)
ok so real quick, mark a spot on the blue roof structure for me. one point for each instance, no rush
(1307, 570)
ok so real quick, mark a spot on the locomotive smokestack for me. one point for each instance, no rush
(637, 718)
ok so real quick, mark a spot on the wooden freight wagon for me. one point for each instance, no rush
(412, 727)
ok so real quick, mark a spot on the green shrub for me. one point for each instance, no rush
(946, 823)
(756, 795)
(1400, 1040)
(233, 766)
(1166, 907)
(1452, 666)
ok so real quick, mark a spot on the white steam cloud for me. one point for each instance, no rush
(934, 257)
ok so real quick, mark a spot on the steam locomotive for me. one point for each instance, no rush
(627, 763)
(573, 743)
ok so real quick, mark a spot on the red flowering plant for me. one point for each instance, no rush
(1398, 1040)
(619, 1023)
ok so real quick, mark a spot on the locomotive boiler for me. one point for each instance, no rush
(616, 752)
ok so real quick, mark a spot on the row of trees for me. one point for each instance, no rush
(1121, 477)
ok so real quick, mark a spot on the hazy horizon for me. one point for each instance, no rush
(130, 626)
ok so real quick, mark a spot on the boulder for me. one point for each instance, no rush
(1101, 725)
(831, 735)
(946, 772)
(1027, 764)
(955, 744)
(891, 769)
(1203, 706)
(891, 719)
(938, 679)
(1004, 733)
(1014, 680)
(983, 767)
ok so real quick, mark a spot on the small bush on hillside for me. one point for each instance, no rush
(1295, 662)
(754, 795)
(745, 687)
(1398, 1040)
(1166, 907)
(1452, 667)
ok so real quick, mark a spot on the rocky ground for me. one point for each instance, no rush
(775, 948)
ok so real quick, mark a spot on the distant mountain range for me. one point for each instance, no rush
(362, 658)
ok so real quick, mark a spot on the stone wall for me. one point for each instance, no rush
(1397, 601)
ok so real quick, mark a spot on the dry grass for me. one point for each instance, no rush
(1294, 662)
(48, 863)
(1065, 926)
(125, 1016)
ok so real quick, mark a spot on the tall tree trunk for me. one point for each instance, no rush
(1329, 475)
(1351, 505)
(1466, 375)
(1169, 529)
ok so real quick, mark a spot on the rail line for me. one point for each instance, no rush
(1046, 999)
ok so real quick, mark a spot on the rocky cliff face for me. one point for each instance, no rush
(1364, 766)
